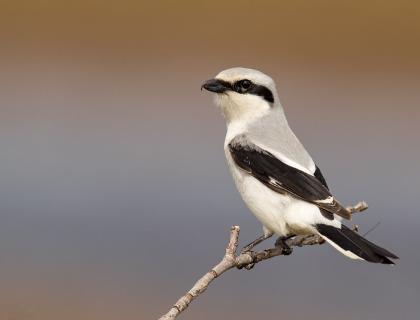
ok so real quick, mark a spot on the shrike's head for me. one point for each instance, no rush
(243, 94)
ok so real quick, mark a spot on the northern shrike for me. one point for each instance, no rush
(275, 175)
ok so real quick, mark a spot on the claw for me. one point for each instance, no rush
(287, 251)
(250, 265)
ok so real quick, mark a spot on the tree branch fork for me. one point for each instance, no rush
(243, 260)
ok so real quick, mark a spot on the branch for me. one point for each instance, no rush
(231, 260)
(246, 259)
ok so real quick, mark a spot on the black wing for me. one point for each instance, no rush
(320, 177)
(283, 178)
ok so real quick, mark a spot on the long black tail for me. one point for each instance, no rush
(353, 245)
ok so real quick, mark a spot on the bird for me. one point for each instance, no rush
(274, 174)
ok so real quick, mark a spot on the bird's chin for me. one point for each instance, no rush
(219, 99)
(222, 101)
(227, 106)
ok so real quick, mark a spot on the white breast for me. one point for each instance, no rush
(268, 206)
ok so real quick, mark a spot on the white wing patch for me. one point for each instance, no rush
(329, 200)
(274, 182)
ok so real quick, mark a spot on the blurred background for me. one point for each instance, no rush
(114, 193)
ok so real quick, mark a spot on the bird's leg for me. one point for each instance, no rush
(281, 243)
(260, 239)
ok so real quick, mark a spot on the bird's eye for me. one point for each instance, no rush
(243, 86)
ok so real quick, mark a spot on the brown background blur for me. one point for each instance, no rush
(114, 193)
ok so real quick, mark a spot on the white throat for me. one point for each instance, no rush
(245, 111)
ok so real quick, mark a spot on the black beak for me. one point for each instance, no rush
(216, 85)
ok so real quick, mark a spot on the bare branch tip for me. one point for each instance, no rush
(235, 228)
(359, 207)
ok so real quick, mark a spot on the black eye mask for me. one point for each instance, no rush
(246, 86)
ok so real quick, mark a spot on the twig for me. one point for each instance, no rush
(246, 259)
(371, 229)
(359, 207)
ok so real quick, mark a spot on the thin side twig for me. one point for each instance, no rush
(359, 207)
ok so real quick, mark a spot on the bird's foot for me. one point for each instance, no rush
(248, 266)
(281, 243)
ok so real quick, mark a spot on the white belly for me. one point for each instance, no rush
(280, 213)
